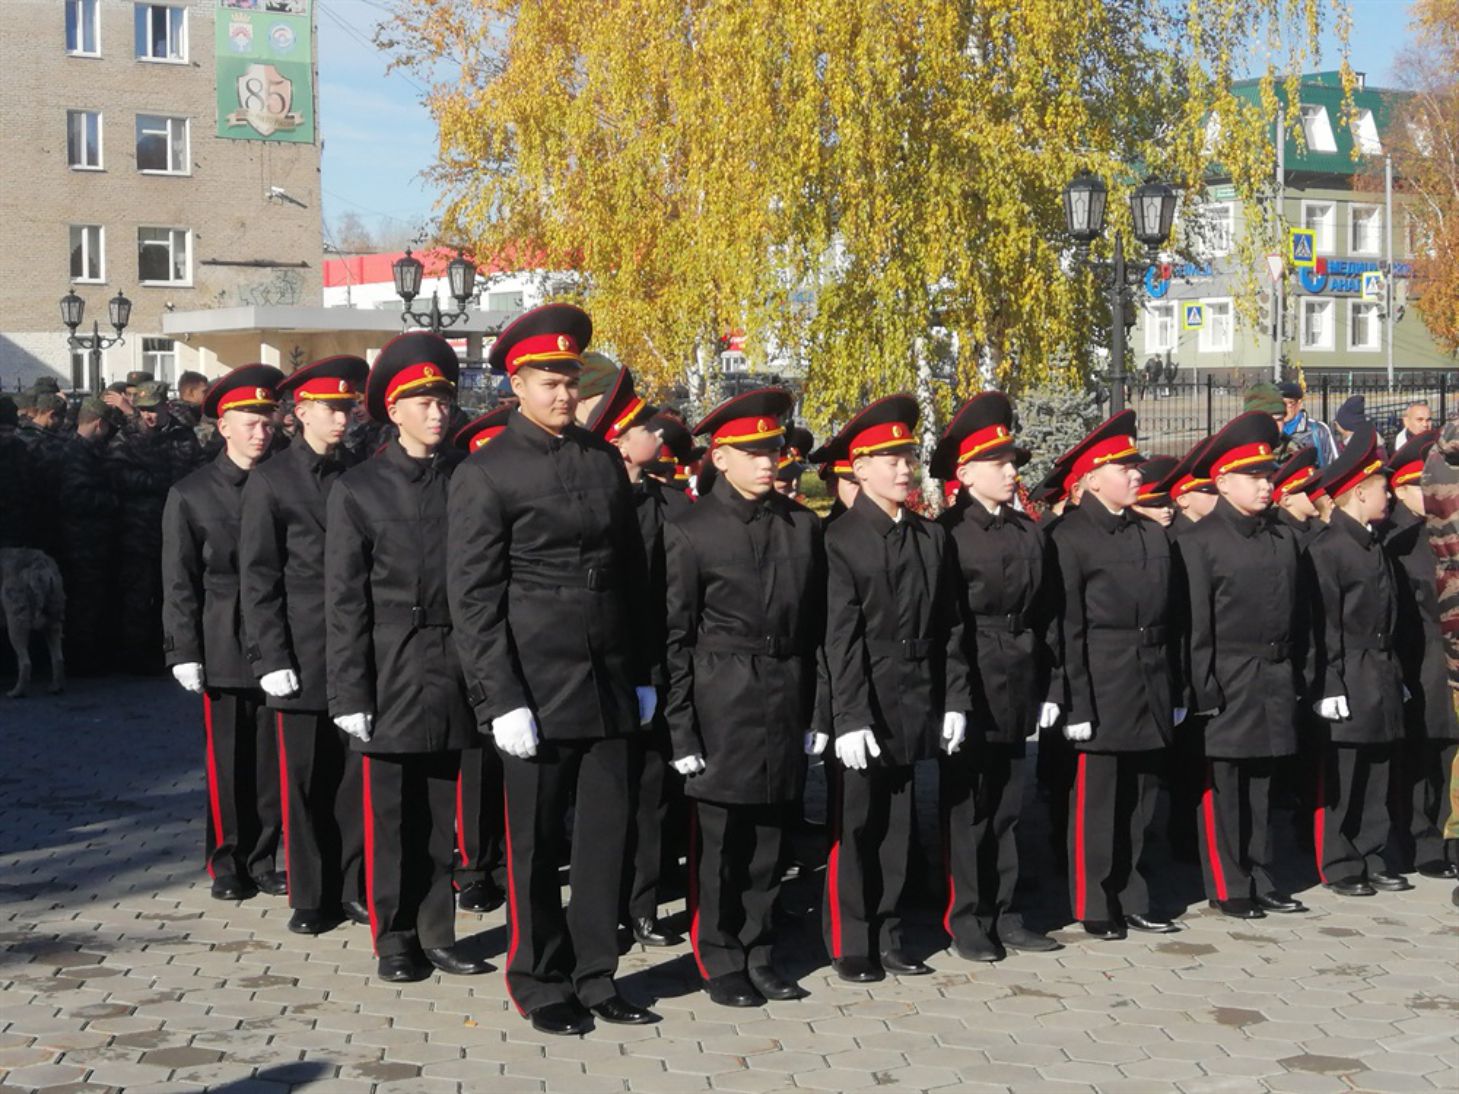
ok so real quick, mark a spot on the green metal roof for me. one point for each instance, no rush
(1325, 89)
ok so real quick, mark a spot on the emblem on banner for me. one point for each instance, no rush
(265, 96)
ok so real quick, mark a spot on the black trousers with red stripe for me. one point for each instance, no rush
(734, 879)
(410, 833)
(1111, 808)
(478, 817)
(554, 954)
(871, 816)
(245, 806)
(981, 788)
(324, 832)
(1351, 821)
(1233, 825)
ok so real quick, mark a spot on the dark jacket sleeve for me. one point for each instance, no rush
(1327, 675)
(847, 660)
(182, 584)
(958, 686)
(348, 641)
(682, 604)
(1078, 688)
(1205, 689)
(261, 580)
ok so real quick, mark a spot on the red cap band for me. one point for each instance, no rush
(748, 430)
(879, 438)
(413, 377)
(1244, 455)
(982, 442)
(1409, 473)
(1295, 484)
(479, 441)
(1337, 489)
(1096, 456)
(1150, 490)
(1186, 484)
(541, 348)
(625, 420)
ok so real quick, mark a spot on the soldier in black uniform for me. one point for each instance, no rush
(1246, 621)
(746, 587)
(394, 682)
(1119, 677)
(899, 686)
(1292, 507)
(204, 645)
(549, 592)
(1357, 680)
(281, 566)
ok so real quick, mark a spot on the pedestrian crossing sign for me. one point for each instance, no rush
(1302, 247)
(1194, 316)
(1373, 286)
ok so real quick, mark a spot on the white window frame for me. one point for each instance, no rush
(79, 7)
(1311, 304)
(169, 119)
(100, 164)
(734, 362)
(1154, 323)
(1376, 326)
(151, 359)
(1365, 133)
(1317, 128)
(1353, 248)
(494, 301)
(187, 279)
(1206, 337)
(86, 237)
(1226, 210)
(1324, 234)
(151, 8)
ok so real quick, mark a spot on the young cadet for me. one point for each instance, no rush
(622, 418)
(792, 462)
(394, 681)
(203, 640)
(1246, 620)
(281, 577)
(1431, 736)
(1292, 483)
(837, 474)
(899, 686)
(1193, 496)
(999, 554)
(1357, 679)
(677, 454)
(746, 589)
(1120, 677)
(1154, 500)
(549, 592)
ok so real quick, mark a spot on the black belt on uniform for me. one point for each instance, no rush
(1379, 643)
(1267, 651)
(780, 647)
(594, 580)
(909, 649)
(1142, 636)
(416, 616)
(1012, 623)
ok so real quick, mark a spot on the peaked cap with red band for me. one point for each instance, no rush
(247, 387)
(1153, 473)
(1184, 478)
(888, 425)
(1357, 462)
(1299, 474)
(481, 429)
(1406, 466)
(551, 337)
(330, 379)
(416, 363)
(1054, 487)
(1245, 446)
(620, 409)
(1111, 442)
(752, 421)
(982, 429)
(793, 457)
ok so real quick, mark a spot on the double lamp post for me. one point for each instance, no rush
(73, 310)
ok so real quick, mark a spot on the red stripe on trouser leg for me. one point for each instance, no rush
(215, 804)
(1213, 849)
(283, 788)
(1080, 876)
(461, 822)
(947, 869)
(833, 867)
(1319, 815)
(512, 917)
(369, 848)
(694, 852)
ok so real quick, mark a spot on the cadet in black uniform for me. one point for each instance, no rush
(999, 554)
(394, 681)
(1153, 502)
(1246, 622)
(746, 601)
(1357, 680)
(1193, 495)
(549, 591)
(1120, 677)
(1291, 505)
(281, 578)
(203, 643)
(899, 686)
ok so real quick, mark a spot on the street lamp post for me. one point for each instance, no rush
(73, 310)
(1152, 209)
(408, 272)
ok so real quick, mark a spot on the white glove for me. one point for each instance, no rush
(190, 676)
(1048, 715)
(815, 743)
(1334, 708)
(281, 683)
(1178, 715)
(515, 733)
(954, 731)
(357, 725)
(853, 748)
(648, 702)
(689, 765)
(1407, 695)
(1079, 731)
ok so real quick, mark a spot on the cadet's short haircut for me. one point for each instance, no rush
(189, 380)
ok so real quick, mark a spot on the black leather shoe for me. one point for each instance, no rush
(356, 912)
(1279, 902)
(621, 1012)
(312, 921)
(1239, 908)
(772, 985)
(404, 968)
(1150, 925)
(566, 1019)
(231, 887)
(978, 948)
(1106, 929)
(448, 960)
(858, 970)
(273, 882)
(650, 932)
(898, 963)
(1438, 869)
(1352, 887)
(480, 897)
(733, 989)
(1390, 883)
(1027, 941)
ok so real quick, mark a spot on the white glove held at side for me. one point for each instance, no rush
(854, 748)
(1079, 731)
(281, 683)
(515, 733)
(954, 731)
(1048, 715)
(1334, 708)
(357, 725)
(689, 765)
(815, 743)
(648, 702)
(190, 676)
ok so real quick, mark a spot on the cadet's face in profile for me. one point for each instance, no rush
(1372, 495)
(751, 473)
(1299, 505)
(247, 434)
(1197, 504)
(547, 398)
(1248, 494)
(1115, 484)
(422, 418)
(324, 420)
(1162, 515)
(638, 445)
(886, 476)
(846, 490)
(989, 480)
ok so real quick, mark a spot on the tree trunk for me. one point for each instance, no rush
(927, 422)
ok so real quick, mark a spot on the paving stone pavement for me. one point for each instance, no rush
(119, 972)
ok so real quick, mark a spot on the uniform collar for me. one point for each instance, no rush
(1360, 532)
(872, 513)
(231, 472)
(413, 469)
(537, 437)
(312, 460)
(746, 509)
(975, 511)
(1096, 511)
(1247, 526)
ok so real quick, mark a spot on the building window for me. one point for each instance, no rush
(1365, 236)
(162, 256)
(504, 301)
(1363, 325)
(1365, 132)
(1321, 218)
(83, 28)
(1218, 224)
(1317, 128)
(734, 362)
(1159, 327)
(1216, 333)
(1317, 323)
(88, 257)
(162, 145)
(83, 139)
(161, 33)
(159, 357)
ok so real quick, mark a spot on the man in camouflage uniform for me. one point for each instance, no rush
(87, 513)
(44, 443)
(1441, 506)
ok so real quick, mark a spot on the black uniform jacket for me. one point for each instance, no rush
(1001, 563)
(1304, 530)
(894, 632)
(201, 621)
(1119, 644)
(1354, 632)
(388, 627)
(1247, 620)
(655, 504)
(281, 558)
(549, 584)
(1430, 711)
(746, 611)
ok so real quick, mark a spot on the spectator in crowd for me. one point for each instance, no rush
(1352, 414)
(1441, 505)
(1300, 430)
(1417, 418)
